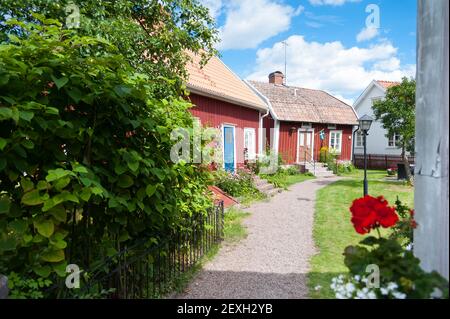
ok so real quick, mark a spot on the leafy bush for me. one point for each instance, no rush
(85, 149)
(235, 184)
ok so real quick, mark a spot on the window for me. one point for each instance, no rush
(306, 125)
(336, 141)
(331, 127)
(376, 99)
(359, 139)
(394, 140)
(250, 142)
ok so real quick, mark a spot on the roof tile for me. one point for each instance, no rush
(306, 105)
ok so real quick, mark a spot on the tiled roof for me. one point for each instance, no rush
(217, 80)
(388, 84)
(305, 105)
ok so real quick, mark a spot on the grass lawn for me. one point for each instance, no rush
(333, 230)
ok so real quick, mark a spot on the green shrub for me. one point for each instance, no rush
(85, 150)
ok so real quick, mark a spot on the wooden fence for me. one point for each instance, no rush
(377, 161)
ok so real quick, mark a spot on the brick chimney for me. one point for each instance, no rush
(276, 77)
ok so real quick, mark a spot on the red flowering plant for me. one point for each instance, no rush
(398, 268)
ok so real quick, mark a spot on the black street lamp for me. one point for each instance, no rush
(364, 125)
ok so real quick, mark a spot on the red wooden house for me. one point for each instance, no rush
(223, 101)
(302, 121)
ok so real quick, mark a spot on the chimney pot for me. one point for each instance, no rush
(276, 77)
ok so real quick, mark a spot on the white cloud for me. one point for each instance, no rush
(341, 71)
(330, 2)
(366, 34)
(214, 6)
(250, 22)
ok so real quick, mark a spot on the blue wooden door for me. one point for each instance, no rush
(228, 148)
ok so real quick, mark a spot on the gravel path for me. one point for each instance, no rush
(272, 262)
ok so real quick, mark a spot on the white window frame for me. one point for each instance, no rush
(395, 139)
(338, 151)
(250, 153)
(359, 138)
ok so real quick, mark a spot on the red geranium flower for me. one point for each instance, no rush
(369, 213)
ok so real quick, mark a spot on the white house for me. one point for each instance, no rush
(377, 142)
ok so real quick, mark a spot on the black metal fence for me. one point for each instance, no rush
(146, 269)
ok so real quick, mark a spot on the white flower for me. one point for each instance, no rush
(361, 295)
(399, 295)
(317, 288)
(409, 247)
(436, 294)
(350, 287)
(384, 291)
(392, 286)
(357, 277)
(372, 295)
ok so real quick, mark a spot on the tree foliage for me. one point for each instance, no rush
(84, 149)
(397, 112)
(153, 36)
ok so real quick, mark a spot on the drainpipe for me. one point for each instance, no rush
(353, 144)
(261, 144)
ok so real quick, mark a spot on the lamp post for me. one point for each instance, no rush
(364, 125)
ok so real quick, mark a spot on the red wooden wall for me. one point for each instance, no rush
(288, 141)
(214, 113)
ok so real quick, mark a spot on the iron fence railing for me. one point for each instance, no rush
(147, 269)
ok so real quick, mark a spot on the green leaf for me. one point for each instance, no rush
(58, 173)
(5, 113)
(86, 194)
(122, 90)
(120, 169)
(27, 185)
(5, 205)
(80, 169)
(59, 213)
(159, 173)
(60, 82)
(60, 269)
(28, 144)
(53, 256)
(125, 181)
(3, 143)
(42, 271)
(19, 226)
(26, 115)
(45, 227)
(32, 198)
(62, 183)
(133, 165)
(41, 185)
(150, 190)
(75, 94)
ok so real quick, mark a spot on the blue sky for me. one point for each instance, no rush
(330, 46)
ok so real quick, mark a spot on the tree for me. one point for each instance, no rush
(85, 142)
(398, 115)
(152, 35)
